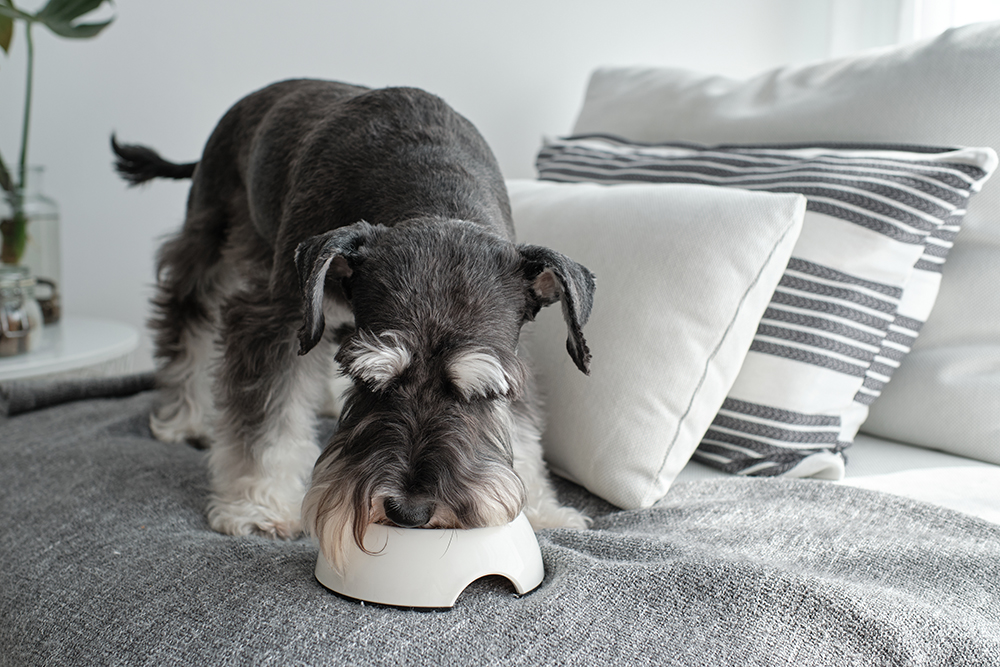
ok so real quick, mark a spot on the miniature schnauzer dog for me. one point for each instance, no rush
(331, 224)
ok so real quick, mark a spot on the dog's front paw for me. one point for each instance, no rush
(556, 516)
(243, 517)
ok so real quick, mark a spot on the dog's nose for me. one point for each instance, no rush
(408, 514)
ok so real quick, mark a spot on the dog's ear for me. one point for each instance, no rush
(332, 252)
(554, 277)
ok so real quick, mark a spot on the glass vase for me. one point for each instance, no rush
(42, 254)
(20, 314)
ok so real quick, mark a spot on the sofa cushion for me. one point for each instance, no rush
(684, 273)
(861, 280)
(939, 92)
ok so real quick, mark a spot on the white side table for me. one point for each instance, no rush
(76, 347)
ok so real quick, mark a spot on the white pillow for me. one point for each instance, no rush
(684, 273)
(940, 92)
(875, 234)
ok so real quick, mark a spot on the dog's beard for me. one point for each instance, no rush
(473, 485)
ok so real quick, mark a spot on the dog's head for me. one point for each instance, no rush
(425, 438)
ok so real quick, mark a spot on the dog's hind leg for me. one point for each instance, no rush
(184, 326)
(265, 445)
(185, 411)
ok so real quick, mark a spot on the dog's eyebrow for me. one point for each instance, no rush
(478, 373)
(377, 359)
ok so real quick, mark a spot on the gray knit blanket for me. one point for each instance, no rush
(106, 559)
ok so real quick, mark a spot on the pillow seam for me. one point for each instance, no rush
(800, 209)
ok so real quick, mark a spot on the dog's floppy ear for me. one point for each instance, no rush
(331, 252)
(554, 277)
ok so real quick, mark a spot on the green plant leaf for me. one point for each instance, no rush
(64, 11)
(7, 10)
(6, 32)
(58, 16)
(14, 231)
(6, 182)
(78, 31)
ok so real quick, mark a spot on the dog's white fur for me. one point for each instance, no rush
(479, 373)
(541, 508)
(379, 360)
(187, 408)
(265, 494)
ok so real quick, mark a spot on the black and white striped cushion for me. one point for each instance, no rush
(753, 439)
(879, 224)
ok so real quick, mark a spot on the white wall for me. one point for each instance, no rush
(164, 73)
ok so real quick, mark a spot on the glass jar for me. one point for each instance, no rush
(20, 315)
(42, 251)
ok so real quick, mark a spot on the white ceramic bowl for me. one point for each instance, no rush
(431, 567)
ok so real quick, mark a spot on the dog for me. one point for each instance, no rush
(333, 227)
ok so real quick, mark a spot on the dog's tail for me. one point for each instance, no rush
(138, 164)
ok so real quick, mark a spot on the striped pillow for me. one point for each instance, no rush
(863, 277)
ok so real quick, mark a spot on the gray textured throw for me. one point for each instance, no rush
(106, 559)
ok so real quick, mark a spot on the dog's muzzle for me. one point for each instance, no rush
(408, 513)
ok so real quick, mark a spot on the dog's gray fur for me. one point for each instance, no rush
(322, 216)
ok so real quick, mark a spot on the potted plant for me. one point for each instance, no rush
(62, 18)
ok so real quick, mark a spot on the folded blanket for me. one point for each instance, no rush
(25, 395)
(107, 559)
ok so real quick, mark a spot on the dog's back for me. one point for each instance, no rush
(304, 156)
(347, 152)
(387, 155)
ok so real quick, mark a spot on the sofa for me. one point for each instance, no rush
(789, 443)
